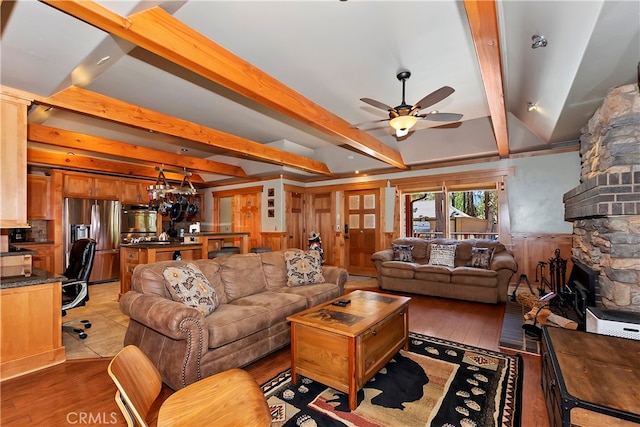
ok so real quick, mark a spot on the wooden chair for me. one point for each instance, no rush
(230, 398)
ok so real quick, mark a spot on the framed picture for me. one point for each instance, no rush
(271, 203)
(271, 213)
(270, 192)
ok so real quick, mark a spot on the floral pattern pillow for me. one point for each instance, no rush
(481, 258)
(402, 252)
(188, 285)
(443, 255)
(303, 268)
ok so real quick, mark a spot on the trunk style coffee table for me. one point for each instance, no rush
(344, 347)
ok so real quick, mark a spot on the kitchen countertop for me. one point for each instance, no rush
(214, 233)
(159, 245)
(38, 277)
(33, 242)
(13, 251)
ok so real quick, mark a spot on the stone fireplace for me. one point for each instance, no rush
(605, 207)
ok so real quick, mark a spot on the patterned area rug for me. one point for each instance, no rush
(436, 383)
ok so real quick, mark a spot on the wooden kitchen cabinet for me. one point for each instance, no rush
(38, 197)
(91, 186)
(135, 192)
(13, 161)
(44, 259)
(30, 329)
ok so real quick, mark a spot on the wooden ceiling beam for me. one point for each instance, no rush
(79, 141)
(79, 162)
(483, 22)
(157, 31)
(94, 104)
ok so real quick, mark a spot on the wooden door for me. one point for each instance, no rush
(246, 216)
(295, 220)
(362, 210)
(322, 223)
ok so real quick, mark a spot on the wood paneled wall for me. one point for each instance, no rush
(531, 248)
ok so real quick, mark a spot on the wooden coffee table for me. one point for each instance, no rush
(344, 347)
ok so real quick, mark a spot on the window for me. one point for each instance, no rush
(471, 212)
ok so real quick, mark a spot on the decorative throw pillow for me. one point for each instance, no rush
(402, 252)
(481, 258)
(188, 285)
(303, 268)
(443, 255)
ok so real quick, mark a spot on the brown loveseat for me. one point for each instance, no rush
(461, 281)
(250, 321)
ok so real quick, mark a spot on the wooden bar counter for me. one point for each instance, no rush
(30, 323)
(149, 252)
(213, 241)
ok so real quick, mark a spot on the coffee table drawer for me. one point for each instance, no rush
(380, 343)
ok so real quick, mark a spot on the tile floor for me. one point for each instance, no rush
(108, 325)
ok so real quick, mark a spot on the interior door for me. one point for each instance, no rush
(295, 220)
(362, 210)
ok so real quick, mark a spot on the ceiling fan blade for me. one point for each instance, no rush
(441, 117)
(357, 125)
(433, 98)
(376, 104)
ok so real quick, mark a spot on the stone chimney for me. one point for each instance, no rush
(605, 207)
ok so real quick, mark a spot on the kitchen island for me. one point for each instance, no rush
(133, 254)
(30, 323)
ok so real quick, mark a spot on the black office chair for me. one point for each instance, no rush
(75, 289)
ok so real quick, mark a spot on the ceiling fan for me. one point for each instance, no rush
(403, 117)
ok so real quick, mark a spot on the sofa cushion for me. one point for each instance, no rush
(232, 322)
(481, 258)
(474, 277)
(275, 271)
(433, 273)
(402, 252)
(442, 255)
(241, 275)
(188, 285)
(419, 246)
(315, 294)
(211, 270)
(398, 269)
(278, 304)
(303, 268)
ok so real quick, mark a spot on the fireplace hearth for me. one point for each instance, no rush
(605, 207)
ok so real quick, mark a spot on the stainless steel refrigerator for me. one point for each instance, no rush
(99, 220)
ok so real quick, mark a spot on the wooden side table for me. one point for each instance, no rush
(590, 380)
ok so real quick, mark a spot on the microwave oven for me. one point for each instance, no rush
(138, 219)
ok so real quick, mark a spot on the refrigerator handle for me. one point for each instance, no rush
(95, 223)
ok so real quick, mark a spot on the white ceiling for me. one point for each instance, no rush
(335, 53)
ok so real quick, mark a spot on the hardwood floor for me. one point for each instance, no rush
(80, 392)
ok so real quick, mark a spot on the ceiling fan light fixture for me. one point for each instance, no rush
(403, 123)
(402, 132)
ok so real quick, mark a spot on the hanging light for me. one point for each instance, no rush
(402, 124)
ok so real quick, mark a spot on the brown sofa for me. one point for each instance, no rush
(460, 282)
(249, 323)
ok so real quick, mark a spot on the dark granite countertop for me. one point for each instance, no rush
(33, 242)
(159, 245)
(13, 251)
(38, 277)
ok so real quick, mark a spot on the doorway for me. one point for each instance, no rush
(362, 210)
